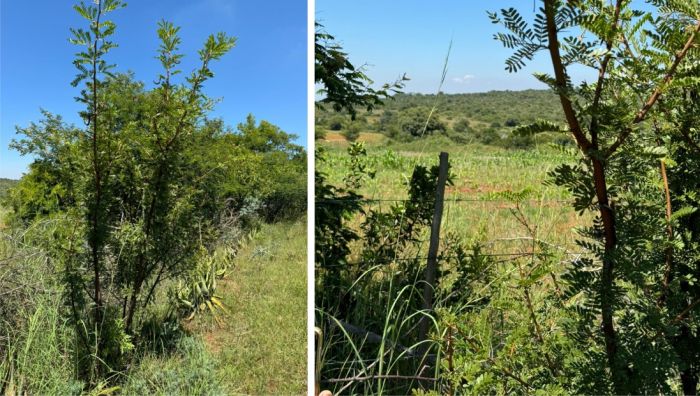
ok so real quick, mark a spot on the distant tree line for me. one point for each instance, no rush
(487, 118)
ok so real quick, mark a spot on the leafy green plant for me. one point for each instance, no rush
(612, 122)
(392, 160)
(188, 370)
(345, 87)
(352, 132)
(126, 181)
(420, 121)
(196, 293)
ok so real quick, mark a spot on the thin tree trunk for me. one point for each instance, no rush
(607, 277)
(600, 184)
(689, 381)
(668, 272)
(95, 231)
(689, 375)
(132, 307)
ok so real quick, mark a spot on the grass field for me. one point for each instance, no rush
(3, 213)
(368, 137)
(480, 175)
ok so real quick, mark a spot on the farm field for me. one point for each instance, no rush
(480, 174)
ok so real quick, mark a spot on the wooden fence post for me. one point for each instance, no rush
(431, 268)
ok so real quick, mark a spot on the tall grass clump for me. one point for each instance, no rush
(39, 354)
(381, 355)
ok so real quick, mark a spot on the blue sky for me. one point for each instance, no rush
(413, 36)
(265, 74)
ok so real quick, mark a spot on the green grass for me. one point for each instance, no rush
(337, 139)
(191, 370)
(42, 363)
(261, 347)
(3, 213)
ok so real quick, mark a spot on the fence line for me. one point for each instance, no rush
(373, 200)
(423, 258)
(434, 257)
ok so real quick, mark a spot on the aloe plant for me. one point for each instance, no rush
(196, 292)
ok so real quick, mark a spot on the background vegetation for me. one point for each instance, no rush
(487, 118)
(5, 185)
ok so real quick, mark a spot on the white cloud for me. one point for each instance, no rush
(464, 79)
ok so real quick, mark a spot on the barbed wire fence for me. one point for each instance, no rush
(444, 202)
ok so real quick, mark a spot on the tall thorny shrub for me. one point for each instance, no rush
(629, 129)
(131, 181)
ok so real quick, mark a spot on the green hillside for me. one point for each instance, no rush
(487, 117)
(6, 184)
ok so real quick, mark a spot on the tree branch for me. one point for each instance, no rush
(601, 76)
(685, 312)
(561, 77)
(642, 113)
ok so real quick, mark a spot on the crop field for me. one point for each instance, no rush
(481, 175)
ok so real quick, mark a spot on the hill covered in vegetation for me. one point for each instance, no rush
(487, 117)
(5, 185)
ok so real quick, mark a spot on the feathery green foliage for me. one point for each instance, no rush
(646, 341)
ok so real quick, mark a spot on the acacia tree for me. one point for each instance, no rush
(637, 56)
(419, 121)
(130, 183)
(677, 132)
